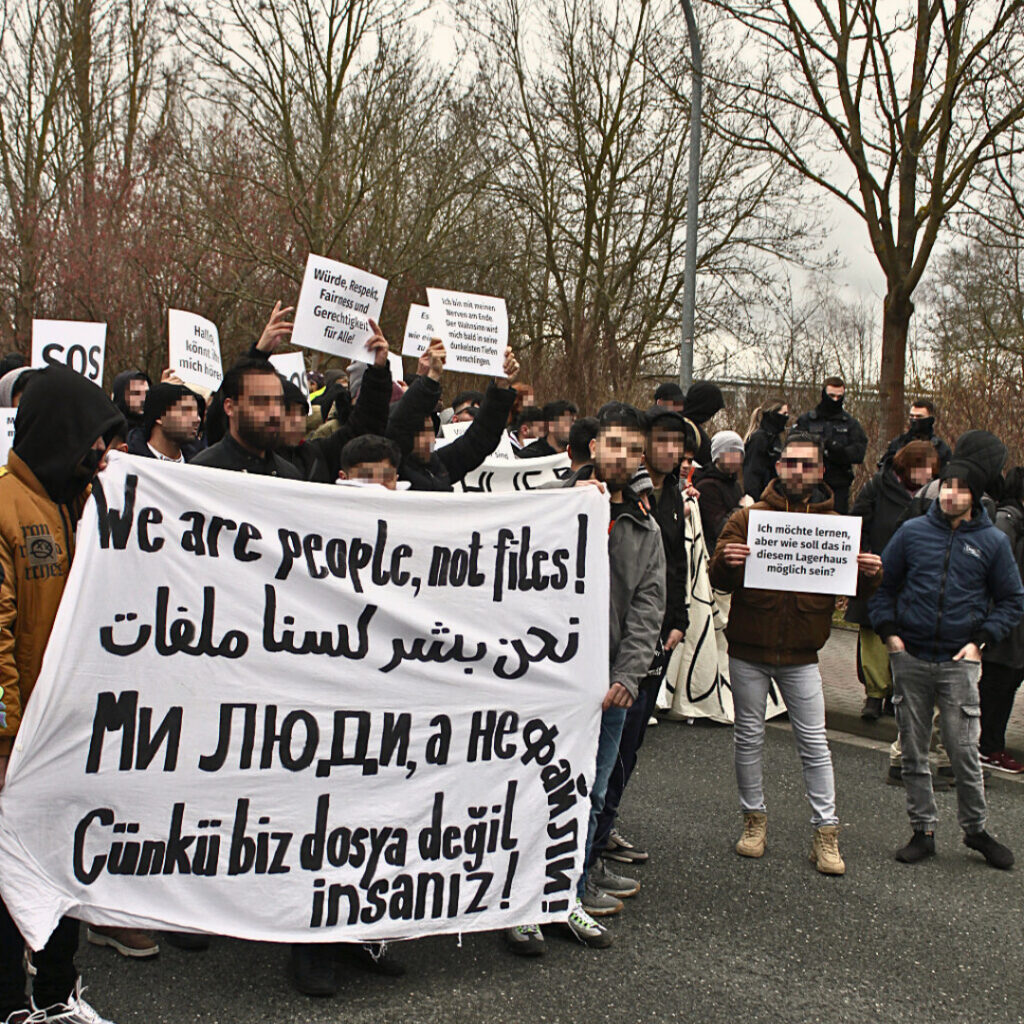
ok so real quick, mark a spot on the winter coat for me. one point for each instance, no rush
(447, 465)
(774, 627)
(881, 503)
(670, 514)
(720, 496)
(60, 416)
(843, 441)
(1010, 651)
(945, 588)
(227, 453)
(941, 448)
(636, 561)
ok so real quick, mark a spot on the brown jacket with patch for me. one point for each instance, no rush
(36, 545)
(775, 627)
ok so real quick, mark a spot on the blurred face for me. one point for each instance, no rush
(463, 413)
(135, 396)
(423, 444)
(255, 416)
(730, 462)
(664, 450)
(527, 399)
(558, 430)
(293, 426)
(784, 411)
(382, 473)
(531, 430)
(800, 468)
(955, 498)
(180, 423)
(686, 464)
(616, 452)
(921, 475)
(670, 403)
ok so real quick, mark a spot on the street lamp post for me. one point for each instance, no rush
(690, 262)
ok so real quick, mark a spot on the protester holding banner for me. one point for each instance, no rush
(65, 424)
(776, 635)
(669, 435)
(951, 587)
(413, 425)
(370, 459)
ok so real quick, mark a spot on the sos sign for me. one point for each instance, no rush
(76, 344)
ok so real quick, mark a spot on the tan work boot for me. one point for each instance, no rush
(755, 834)
(825, 851)
(130, 942)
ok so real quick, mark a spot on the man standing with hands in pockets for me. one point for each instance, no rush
(776, 635)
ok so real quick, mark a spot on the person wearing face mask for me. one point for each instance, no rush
(763, 445)
(842, 440)
(65, 425)
(921, 427)
(950, 588)
(881, 504)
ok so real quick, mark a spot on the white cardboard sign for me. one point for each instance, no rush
(474, 329)
(292, 366)
(193, 346)
(77, 344)
(335, 306)
(419, 329)
(7, 418)
(812, 554)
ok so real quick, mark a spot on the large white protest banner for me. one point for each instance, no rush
(335, 307)
(292, 366)
(814, 554)
(193, 345)
(7, 418)
(251, 725)
(419, 329)
(496, 476)
(474, 329)
(503, 453)
(77, 344)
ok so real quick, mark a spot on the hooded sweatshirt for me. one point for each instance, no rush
(60, 416)
(119, 389)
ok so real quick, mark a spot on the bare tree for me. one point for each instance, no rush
(913, 99)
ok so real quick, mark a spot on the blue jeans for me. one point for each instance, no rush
(612, 722)
(800, 686)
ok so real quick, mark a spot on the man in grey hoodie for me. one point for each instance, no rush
(637, 607)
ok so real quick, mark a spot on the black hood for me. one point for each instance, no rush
(60, 417)
(987, 453)
(119, 388)
(774, 422)
(703, 400)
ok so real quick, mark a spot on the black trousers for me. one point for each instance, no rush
(54, 963)
(998, 688)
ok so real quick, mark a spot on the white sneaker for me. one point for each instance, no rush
(652, 721)
(75, 1011)
(586, 929)
(26, 1017)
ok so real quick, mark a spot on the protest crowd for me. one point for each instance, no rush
(936, 591)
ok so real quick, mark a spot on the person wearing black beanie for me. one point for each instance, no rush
(171, 418)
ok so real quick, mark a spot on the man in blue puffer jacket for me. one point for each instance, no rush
(950, 585)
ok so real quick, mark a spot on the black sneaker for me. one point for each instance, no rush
(375, 957)
(895, 775)
(872, 710)
(994, 852)
(313, 969)
(921, 845)
(888, 708)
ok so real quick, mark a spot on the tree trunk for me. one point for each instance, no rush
(895, 325)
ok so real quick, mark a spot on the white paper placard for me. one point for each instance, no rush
(474, 329)
(7, 417)
(77, 344)
(503, 453)
(193, 346)
(812, 554)
(419, 330)
(292, 366)
(335, 306)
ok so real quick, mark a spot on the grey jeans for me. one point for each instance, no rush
(800, 686)
(918, 687)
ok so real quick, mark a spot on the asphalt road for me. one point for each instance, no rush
(710, 938)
